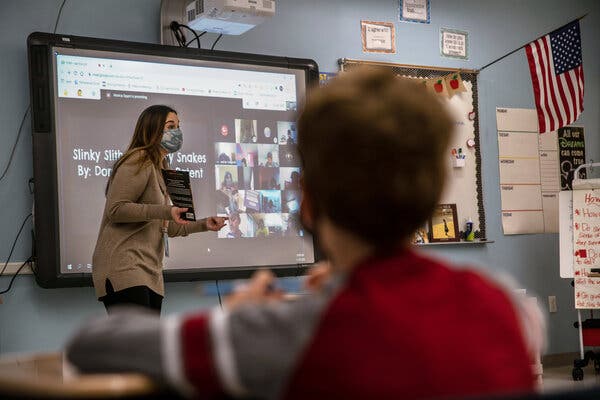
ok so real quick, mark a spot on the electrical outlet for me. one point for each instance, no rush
(552, 307)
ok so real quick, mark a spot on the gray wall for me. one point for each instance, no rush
(33, 319)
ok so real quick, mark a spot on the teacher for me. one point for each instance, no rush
(138, 216)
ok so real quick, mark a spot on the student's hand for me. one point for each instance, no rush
(176, 214)
(259, 289)
(317, 276)
(215, 223)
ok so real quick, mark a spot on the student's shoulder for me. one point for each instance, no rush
(485, 291)
(468, 280)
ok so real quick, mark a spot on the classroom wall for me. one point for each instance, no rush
(35, 319)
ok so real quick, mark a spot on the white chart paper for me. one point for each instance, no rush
(529, 173)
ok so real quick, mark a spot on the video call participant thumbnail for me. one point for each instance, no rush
(288, 156)
(245, 131)
(225, 153)
(267, 132)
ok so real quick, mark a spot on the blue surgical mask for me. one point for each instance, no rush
(172, 140)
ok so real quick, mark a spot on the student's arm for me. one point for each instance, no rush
(247, 351)
(135, 340)
(125, 341)
(127, 186)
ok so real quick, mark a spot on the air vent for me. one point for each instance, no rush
(39, 81)
(268, 4)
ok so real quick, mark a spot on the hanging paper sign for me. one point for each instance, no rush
(378, 37)
(438, 86)
(454, 44)
(414, 11)
(454, 84)
(571, 150)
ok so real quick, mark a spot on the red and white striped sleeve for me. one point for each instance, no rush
(197, 355)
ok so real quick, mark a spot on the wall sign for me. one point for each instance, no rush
(586, 247)
(378, 37)
(414, 11)
(571, 150)
(454, 44)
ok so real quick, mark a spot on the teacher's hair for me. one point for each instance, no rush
(145, 143)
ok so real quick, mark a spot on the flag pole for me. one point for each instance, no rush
(515, 50)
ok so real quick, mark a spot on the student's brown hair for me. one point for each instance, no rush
(373, 148)
(146, 139)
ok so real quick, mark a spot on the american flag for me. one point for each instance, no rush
(556, 68)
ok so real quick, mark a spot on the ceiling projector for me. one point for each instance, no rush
(228, 17)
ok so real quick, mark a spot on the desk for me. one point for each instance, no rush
(43, 376)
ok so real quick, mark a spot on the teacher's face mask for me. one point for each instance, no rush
(172, 140)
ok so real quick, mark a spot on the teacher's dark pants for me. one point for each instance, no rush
(136, 295)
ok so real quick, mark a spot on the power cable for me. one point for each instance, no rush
(14, 244)
(14, 276)
(58, 16)
(219, 293)
(215, 43)
(193, 33)
(199, 36)
(12, 153)
(179, 35)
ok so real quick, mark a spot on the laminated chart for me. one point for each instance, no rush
(529, 173)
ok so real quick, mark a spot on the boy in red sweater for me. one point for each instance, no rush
(382, 321)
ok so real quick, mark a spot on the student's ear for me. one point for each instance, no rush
(307, 215)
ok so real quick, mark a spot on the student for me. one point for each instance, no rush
(261, 229)
(234, 226)
(227, 183)
(269, 162)
(383, 321)
(294, 183)
(138, 214)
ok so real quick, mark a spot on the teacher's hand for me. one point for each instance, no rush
(215, 223)
(176, 214)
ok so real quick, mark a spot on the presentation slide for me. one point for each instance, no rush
(239, 147)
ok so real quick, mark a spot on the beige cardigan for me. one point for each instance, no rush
(129, 251)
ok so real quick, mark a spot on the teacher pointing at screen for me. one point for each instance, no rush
(138, 216)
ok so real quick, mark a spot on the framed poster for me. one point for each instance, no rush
(454, 44)
(378, 37)
(443, 224)
(571, 146)
(414, 11)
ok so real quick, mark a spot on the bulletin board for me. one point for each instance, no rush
(464, 186)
